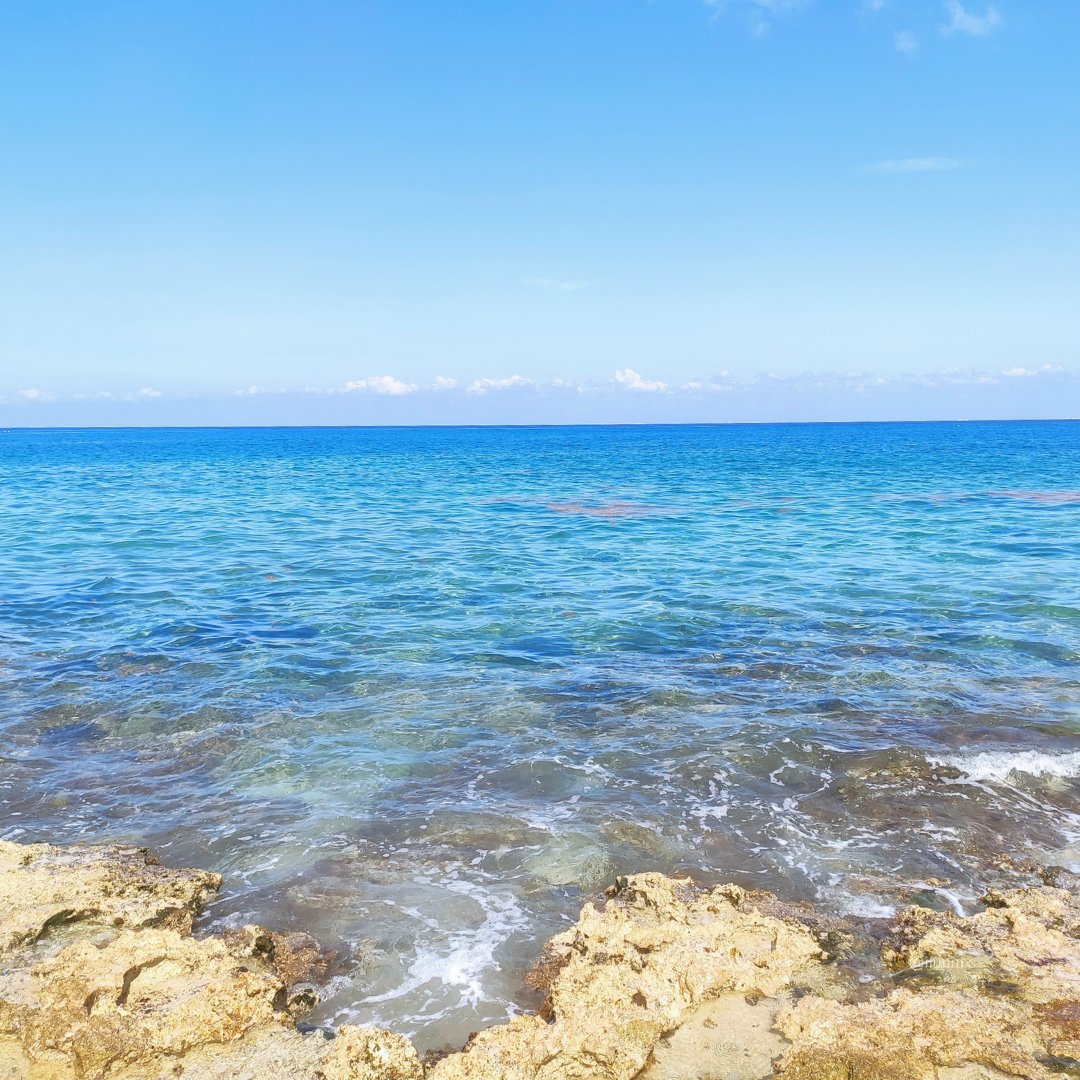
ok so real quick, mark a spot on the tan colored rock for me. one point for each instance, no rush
(632, 973)
(277, 1053)
(147, 994)
(298, 958)
(369, 1054)
(125, 993)
(725, 1039)
(42, 886)
(101, 980)
(908, 1035)
(999, 991)
(1027, 937)
(266, 1053)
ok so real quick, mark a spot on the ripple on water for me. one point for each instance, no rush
(421, 692)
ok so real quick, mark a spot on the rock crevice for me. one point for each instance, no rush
(101, 979)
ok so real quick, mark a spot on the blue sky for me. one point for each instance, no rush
(538, 211)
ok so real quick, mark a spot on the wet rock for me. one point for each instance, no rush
(1004, 997)
(543, 972)
(102, 979)
(301, 998)
(632, 986)
(298, 958)
(632, 973)
(1030, 937)
(1063, 1066)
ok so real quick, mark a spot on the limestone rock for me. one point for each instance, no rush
(101, 980)
(725, 1039)
(633, 972)
(125, 993)
(1029, 938)
(906, 1035)
(1000, 991)
(368, 1054)
(42, 886)
(298, 958)
(147, 994)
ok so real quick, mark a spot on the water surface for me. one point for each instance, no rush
(422, 691)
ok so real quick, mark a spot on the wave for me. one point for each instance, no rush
(1000, 765)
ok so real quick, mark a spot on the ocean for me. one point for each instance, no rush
(423, 691)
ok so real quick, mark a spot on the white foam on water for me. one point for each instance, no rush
(717, 805)
(455, 967)
(1000, 765)
(866, 907)
(467, 955)
(954, 899)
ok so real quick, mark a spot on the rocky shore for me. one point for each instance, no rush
(100, 976)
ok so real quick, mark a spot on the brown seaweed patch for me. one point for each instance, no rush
(1050, 498)
(606, 510)
(1062, 1018)
(542, 974)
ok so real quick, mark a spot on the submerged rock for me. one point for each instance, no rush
(572, 860)
(100, 979)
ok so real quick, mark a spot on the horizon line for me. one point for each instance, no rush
(6, 429)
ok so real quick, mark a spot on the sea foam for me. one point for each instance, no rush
(1001, 765)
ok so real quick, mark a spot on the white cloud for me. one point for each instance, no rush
(905, 42)
(915, 165)
(482, 386)
(1027, 373)
(723, 380)
(629, 379)
(443, 383)
(962, 21)
(552, 285)
(380, 384)
(760, 13)
(33, 394)
(147, 392)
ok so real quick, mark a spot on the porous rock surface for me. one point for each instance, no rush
(42, 886)
(995, 994)
(100, 977)
(626, 976)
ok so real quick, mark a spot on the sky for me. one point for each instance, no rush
(542, 211)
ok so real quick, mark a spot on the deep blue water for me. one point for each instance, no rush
(422, 690)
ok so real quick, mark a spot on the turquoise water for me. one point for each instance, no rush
(421, 691)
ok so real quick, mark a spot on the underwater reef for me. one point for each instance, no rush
(102, 977)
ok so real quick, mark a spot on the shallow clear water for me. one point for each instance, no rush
(421, 691)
